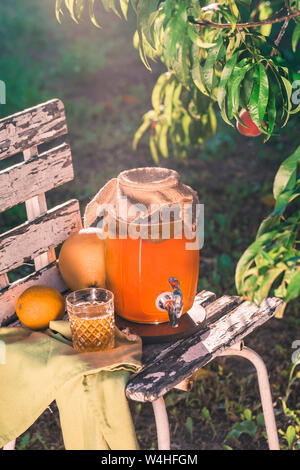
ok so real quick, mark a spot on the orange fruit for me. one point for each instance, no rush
(82, 260)
(38, 305)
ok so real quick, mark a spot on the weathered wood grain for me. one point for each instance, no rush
(220, 307)
(35, 207)
(204, 298)
(35, 176)
(49, 276)
(31, 127)
(3, 280)
(181, 362)
(33, 238)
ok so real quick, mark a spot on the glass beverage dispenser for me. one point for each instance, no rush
(149, 222)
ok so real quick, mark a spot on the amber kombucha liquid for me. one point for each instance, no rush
(138, 271)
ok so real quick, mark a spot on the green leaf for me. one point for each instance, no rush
(235, 89)
(233, 8)
(288, 89)
(162, 138)
(24, 441)
(168, 103)
(247, 87)
(80, 4)
(267, 282)
(248, 414)
(293, 289)
(260, 419)
(140, 131)
(153, 149)
(267, 225)
(206, 413)
(146, 13)
(286, 176)
(265, 11)
(70, 5)
(248, 256)
(58, 10)
(124, 7)
(290, 435)
(92, 13)
(195, 38)
(283, 200)
(212, 120)
(277, 85)
(186, 124)
(189, 425)
(196, 69)
(260, 96)
(225, 76)
(296, 37)
(245, 427)
(231, 18)
(212, 56)
(271, 112)
(174, 34)
(158, 91)
(110, 5)
(181, 64)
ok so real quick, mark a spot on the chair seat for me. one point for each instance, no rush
(228, 320)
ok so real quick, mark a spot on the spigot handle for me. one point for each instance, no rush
(172, 302)
(175, 305)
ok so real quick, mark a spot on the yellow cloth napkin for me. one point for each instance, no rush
(89, 387)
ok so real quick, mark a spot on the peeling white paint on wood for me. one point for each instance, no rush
(31, 127)
(3, 280)
(27, 182)
(204, 298)
(193, 353)
(222, 305)
(35, 176)
(154, 376)
(190, 354)
(39, 235)
(35, 207)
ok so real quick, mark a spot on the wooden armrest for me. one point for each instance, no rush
(168, 365)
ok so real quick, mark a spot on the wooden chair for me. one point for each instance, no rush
(171, 365)
(166, 366)
(39, 171)
(28, 182)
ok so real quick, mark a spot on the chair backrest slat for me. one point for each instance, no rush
(28, 182)
(31, 127)
(38, 235)
(35, 176)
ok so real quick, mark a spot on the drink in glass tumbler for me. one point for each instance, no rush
(91, 315)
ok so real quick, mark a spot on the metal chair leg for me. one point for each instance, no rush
(162, 424)
(239, 349)
(10, 445)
